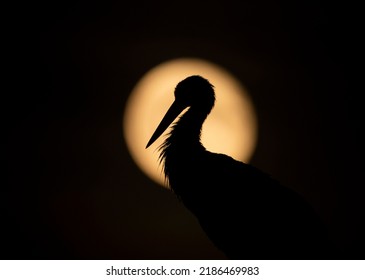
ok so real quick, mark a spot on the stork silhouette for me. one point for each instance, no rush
(245, 213)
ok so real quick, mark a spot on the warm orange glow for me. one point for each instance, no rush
(231, 128)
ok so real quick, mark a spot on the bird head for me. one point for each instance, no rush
(195, 92)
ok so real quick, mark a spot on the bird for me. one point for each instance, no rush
(245, 212)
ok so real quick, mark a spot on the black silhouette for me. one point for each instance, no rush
(246, 213)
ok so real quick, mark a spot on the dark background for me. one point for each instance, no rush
(72, 191)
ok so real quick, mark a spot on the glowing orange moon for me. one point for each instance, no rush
(231, 128)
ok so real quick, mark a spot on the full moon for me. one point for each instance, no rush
(231, 128)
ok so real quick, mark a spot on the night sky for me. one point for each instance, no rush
(72, 190)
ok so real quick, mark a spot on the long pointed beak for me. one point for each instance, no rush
(171, 114)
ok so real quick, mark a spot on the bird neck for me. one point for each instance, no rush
(187, 131)
(183, 140)
(182, 145)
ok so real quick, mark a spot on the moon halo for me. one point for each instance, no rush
(231, 128)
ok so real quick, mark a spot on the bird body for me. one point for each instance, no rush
(246, 213)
